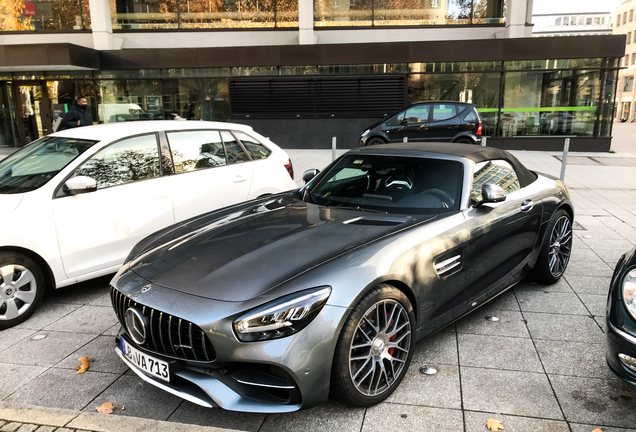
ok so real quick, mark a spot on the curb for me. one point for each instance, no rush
(71, 419)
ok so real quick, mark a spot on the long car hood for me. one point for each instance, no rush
(9, 202)
(241, 255)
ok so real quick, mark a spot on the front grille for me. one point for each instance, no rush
(168, 335)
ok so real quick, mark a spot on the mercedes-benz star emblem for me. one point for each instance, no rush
(146, 288)
(136, 325)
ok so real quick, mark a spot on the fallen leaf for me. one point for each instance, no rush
(123, 407)
(598, 430)
(84, 366)
(105, 408)
(494, 425)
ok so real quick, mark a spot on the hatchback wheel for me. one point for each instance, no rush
(375, 141)
(464, 141)
(21, 288)
(555, 250)
(374, 349)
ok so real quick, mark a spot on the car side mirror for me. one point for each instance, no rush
(491, 193)
(384, 116)
(404, 122)
(81, 184)
(310, 174)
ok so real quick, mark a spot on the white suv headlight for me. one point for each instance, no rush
(366, 132)
(282, 317)
(629, 292)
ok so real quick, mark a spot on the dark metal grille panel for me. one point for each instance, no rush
(167, 332)
(355, 96)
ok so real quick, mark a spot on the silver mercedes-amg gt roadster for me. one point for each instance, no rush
(274, 304)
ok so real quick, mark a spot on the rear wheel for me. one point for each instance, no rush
(464, 141)
(21, 288)
(375, 141)
(374, 349)
(555, 249)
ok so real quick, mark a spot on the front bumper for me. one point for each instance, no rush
(280, 375)
(620, 342)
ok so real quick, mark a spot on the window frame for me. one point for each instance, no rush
(245, 147)
(174, 170)
(61, 193)
(512, 170)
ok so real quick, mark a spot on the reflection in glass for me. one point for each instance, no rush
(63, 94)
(196, 150)
(129, 100)
(126, 161)
(479, 89)
(498, 172)
(196, 99)
(8, 125)
(19, 15)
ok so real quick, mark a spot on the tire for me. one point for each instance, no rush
(556, 249)
(21, 288)
(375, 141)
(360, 381)
(464, 141)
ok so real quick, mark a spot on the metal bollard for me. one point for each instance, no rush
(405, 139)
(564, 158)
(483, 141)
(333, 149)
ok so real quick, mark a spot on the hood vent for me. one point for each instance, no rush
(373, 222)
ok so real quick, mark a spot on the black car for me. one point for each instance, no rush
(438, 121)
(621, 319)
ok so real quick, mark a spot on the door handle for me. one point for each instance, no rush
(239, 179)
(423, 127)
(452, 127)
(527, 205)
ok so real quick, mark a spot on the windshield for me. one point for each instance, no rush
(404, 185)
(32, 166)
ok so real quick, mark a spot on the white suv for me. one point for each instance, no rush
(74, 203)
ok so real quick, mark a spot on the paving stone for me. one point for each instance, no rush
(329, 417)
(441, 348)
(45, 352)
(509, 392)
(82, 293)
(476, 422)
(12, 336)
(589, 269)
(589, 284)
(102, 300)
(601, 322)
(386, 416)
(140, 399)
(505, 301)
(216, 417)
(11, 427)
(560, 286)
(87, 319)
(101, 354)
(440, 390)
(113, 331)
(27, 428)
(580, 359)
(584, 255)
(45, 429)
(588, 428)
(510, 324)
(13, 377)
(47, 314)
(63, 388)
(591, 400)
(576, 328)
(610, 256)
(596, 304)
(498, 352)
(616, 245)
(550, 302)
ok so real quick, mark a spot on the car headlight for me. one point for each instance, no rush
(366, 132)
(282, 317)
(629, 292)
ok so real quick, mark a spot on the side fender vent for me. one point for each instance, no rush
(448, 263)
(373, 222)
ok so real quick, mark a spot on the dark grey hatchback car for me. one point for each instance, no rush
(439, 121)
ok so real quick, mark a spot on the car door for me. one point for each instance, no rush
(444, 123)
(97, 230)
(212, 170)
(502, 235)
(411, 124)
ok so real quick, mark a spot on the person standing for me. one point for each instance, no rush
(77, 116)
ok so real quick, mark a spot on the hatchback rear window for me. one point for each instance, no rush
(253, 147)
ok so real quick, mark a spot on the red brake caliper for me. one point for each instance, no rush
(392, 338)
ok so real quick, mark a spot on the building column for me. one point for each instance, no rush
(518, 15)
(306, 34)
(102, 26)
(632, 105)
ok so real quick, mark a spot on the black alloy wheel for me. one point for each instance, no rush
(556, 249)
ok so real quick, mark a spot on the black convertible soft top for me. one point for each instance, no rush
(473, 152)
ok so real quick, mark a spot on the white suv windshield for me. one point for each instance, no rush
(34, 165)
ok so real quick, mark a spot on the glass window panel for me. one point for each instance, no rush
(480, 89)
(286, 13)
(553, 64)
(455, 66)
(144, 14)
(194, 72)
(409, 12)
(233, 150)
(254, 71)
(631, 15)
(443, 111)
(489, 12)
(588, 21)
(362, 69)
(254, 148)
(126, 161)
(196, 150)
(458, 11)
(343, 13)
(628, 86)
(129, 100)
(45, 15)
(128, 74)
(8, 125)
(597, 20)
(63, 94)
(416, 114)
(217, 13)
(196, 99)
(498, 172)
(298, 70)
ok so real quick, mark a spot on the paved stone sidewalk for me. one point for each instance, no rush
(540, 368)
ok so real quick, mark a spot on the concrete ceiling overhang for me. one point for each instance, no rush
(47, 57)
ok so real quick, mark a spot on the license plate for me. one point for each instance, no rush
(151, 365)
